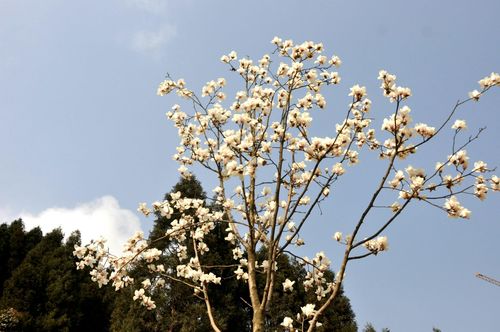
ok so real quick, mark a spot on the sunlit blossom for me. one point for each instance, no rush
(308, 310)
(272, 172)
(288, 285)
(459, 124)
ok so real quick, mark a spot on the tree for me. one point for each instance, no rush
(176, 305)
(9, 320)
(338, 317)
(272, 173)
(369, 328)
(177, 308)
(15, 243)
(45, 292)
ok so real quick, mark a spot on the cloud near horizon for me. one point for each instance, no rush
(102, 217)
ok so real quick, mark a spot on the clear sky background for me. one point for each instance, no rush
(84, 139)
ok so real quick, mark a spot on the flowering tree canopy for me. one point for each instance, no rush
(178, 309)
(273, 173)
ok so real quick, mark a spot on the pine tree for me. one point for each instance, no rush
(179, 310)
(369, 328)
(45, 291)
(15, 243)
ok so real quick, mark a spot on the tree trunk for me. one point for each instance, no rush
(258, 320)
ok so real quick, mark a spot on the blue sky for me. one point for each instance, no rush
(84, 139)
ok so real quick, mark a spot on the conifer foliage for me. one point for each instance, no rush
(178, 309)
(40, 288)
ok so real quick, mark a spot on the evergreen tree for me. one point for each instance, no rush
(4, 254)
(25, 289)
(15, 243)
(338, 317)
(9, 320)
(179, 310)
(369, 328)
(189, 188)
(47, 293)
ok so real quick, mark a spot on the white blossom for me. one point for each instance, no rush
(287, 323)
(308, 310)
(288, 285)
(272, 172)
(459, 124)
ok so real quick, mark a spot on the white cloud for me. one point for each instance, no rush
(151, 42)
(101, 217)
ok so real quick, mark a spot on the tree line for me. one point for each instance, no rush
(40, 289)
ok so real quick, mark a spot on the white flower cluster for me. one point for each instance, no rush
(193, 271)
(485, 83)
(235, 141)
(306, 312)
(424, 130)
(377, 245)
(459, 125)
(398, 126)
(454, 208)
(288, 285)
(460, 159)
(145, 300)
(106, 267)
(272, 172)
(416, 184)
(391, 91)
(239, 272)
(167, 86)
(315, 278)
